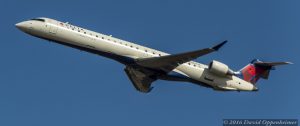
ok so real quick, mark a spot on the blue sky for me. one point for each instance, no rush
(43, 83)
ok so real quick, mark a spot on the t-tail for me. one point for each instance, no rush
(258, 69)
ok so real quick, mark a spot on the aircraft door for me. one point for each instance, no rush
(52, 30)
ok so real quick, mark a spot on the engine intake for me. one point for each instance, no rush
(219, 69)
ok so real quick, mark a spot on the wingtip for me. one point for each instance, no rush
(217, 47)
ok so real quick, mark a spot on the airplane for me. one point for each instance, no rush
(144, 65)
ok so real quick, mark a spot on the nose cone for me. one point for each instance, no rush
(21, 26)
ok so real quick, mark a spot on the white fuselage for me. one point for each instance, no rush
(72, 35)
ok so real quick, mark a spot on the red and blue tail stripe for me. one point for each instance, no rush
(251, 73)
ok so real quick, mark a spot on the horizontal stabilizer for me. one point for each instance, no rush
(270, 64)
(259, 69)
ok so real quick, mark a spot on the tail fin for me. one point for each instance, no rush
(258, 69)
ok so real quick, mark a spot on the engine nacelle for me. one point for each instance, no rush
(219, 69)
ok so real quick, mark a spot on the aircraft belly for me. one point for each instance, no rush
(198, 75)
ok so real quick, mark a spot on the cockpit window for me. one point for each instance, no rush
(38, 19)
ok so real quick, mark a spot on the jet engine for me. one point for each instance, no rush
(219, 69)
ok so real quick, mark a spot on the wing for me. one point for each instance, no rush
(140, 78)
(169, 62)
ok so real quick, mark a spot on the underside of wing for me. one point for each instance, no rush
(169, 62)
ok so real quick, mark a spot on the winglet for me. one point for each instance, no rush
(217, 47)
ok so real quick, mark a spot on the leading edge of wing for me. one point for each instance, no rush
(169, 62)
